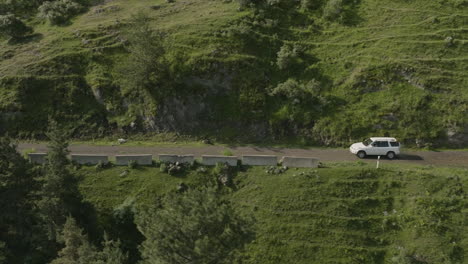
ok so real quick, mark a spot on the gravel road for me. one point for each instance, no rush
(439, 158)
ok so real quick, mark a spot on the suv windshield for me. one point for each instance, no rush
(367, 142)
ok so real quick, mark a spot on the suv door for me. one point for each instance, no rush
(379, 148)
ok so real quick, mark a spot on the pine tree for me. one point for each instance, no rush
(18, 216)
(196, 226)
(111, 253)
(77, 249)
(2, 252)
(60, 196)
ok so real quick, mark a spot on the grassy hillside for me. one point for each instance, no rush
(377, 67)
(347, 213)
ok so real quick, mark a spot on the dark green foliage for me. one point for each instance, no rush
(77, 248)
(19, 6)
(287, 56)
(18, 220)
(111, 253)
(300, 104)
(2, 252)
(310, 4)
(13, 27)
(59, 194)
(293, 90)
(196, 226)
(124, 228)
(59, 11)
(67, 99)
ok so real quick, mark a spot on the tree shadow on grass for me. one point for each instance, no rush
(350, 16)
(36, 37)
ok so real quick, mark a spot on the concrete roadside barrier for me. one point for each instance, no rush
(172, 158)
(124, 160)
(213, 160)
(89, 159)
(299, 162)
(37, 158)
(259, 160)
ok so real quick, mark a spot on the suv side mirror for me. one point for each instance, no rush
(374, 144)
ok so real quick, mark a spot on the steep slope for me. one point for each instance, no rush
(347, 213)
(274, 71)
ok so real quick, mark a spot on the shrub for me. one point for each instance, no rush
(333, 9)
(132, 164)
(273, 2)
(13, 27)
(287, 55)
(292, 89)
(163, 167)
(224, 174)
(60, 11)
(125, 212)
(146, 67)
(100, 165)
(309, 4)
(245, 3)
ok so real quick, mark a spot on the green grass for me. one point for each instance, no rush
(227, 152)
(346, 213)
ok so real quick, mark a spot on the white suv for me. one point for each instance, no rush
(381, 146)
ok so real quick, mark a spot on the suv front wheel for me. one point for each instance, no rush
(391, 155)
(361, 154)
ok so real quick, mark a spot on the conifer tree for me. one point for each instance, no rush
(18, 216)
(60, 196)
(197, 226)
(2, 252)
(77, 249)
(111, 253)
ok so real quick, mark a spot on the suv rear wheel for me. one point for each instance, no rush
(361, 154)
(391, 155)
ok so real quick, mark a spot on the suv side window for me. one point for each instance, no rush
(382, 144)
(394, 144)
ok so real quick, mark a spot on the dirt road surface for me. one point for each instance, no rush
(452, 158)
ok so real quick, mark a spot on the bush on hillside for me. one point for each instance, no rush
(458, 3)
(58, 12)
(146, 70)
(273, 2)
(250, 3)
(13, 27)
(286, 56)
(309, 4)
(292, 89)
(333, 9)
(198, 222)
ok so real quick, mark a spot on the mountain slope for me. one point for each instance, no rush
(277, 71)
